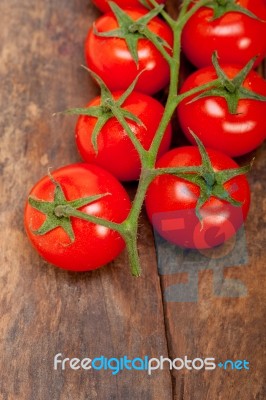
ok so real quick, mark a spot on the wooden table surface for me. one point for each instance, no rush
(45, 311)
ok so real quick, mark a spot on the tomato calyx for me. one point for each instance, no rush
(222, 7)
(145, 4)
(59, 210)
(132, 31)
(231, 90)
(109, 108)
(210, 182)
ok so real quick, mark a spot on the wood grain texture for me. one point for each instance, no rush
(222, 327)
(45, 311)
(217, 325)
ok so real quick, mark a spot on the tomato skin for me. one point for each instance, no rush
(211, 121)
(236, 37)
(111, 60)
(104, 7)
(171, 198)
(94, 245)
(116, 153)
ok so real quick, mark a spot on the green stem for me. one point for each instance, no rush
(164, 14)
(71, 212)
(126, 229)
(171, 100)
(132, 222)
(222, 2)
(196, 90)
(132, 249)
(185, 16)
(138, 146)
(148, 159)
(184, 8)
(178, 171)
(160, 47)
(144, 181)
(129, 228)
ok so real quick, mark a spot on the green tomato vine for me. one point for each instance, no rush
(210, 182)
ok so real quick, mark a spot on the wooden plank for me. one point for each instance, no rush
(219, 326)
(45, 311)
(225, 328)
(215, 325)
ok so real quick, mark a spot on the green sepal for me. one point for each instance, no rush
(224, 176)
(145, 4)
(105, 92)
(84, 201)
(206, 165)
(230, 98)
(131, 31)
(230, 89)
(156, 39)
(248, 94)
(203, 198)
(41, 205)
(97, 129)
(130, 89)
(127, 114)
(222, 7)
(210, 182)
(108, 107)
(221, 193)
(52, 210)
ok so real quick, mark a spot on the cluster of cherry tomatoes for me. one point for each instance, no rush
(117, 55)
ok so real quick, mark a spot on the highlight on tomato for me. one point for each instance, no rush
(117, 57)
(202, 210)
(229, 118)
(115, 151)
(70, 242)
(237, 35)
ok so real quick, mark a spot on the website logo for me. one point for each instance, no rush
(173, 259)
(146, 364)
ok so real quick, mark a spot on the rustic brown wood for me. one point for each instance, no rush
(219, 326)
(45, 311)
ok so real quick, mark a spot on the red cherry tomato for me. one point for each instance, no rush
(104, 6)
(116, 152)
(235, 36)
(112, 61)
(94, 245)
(210, 120)
(171, 203)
